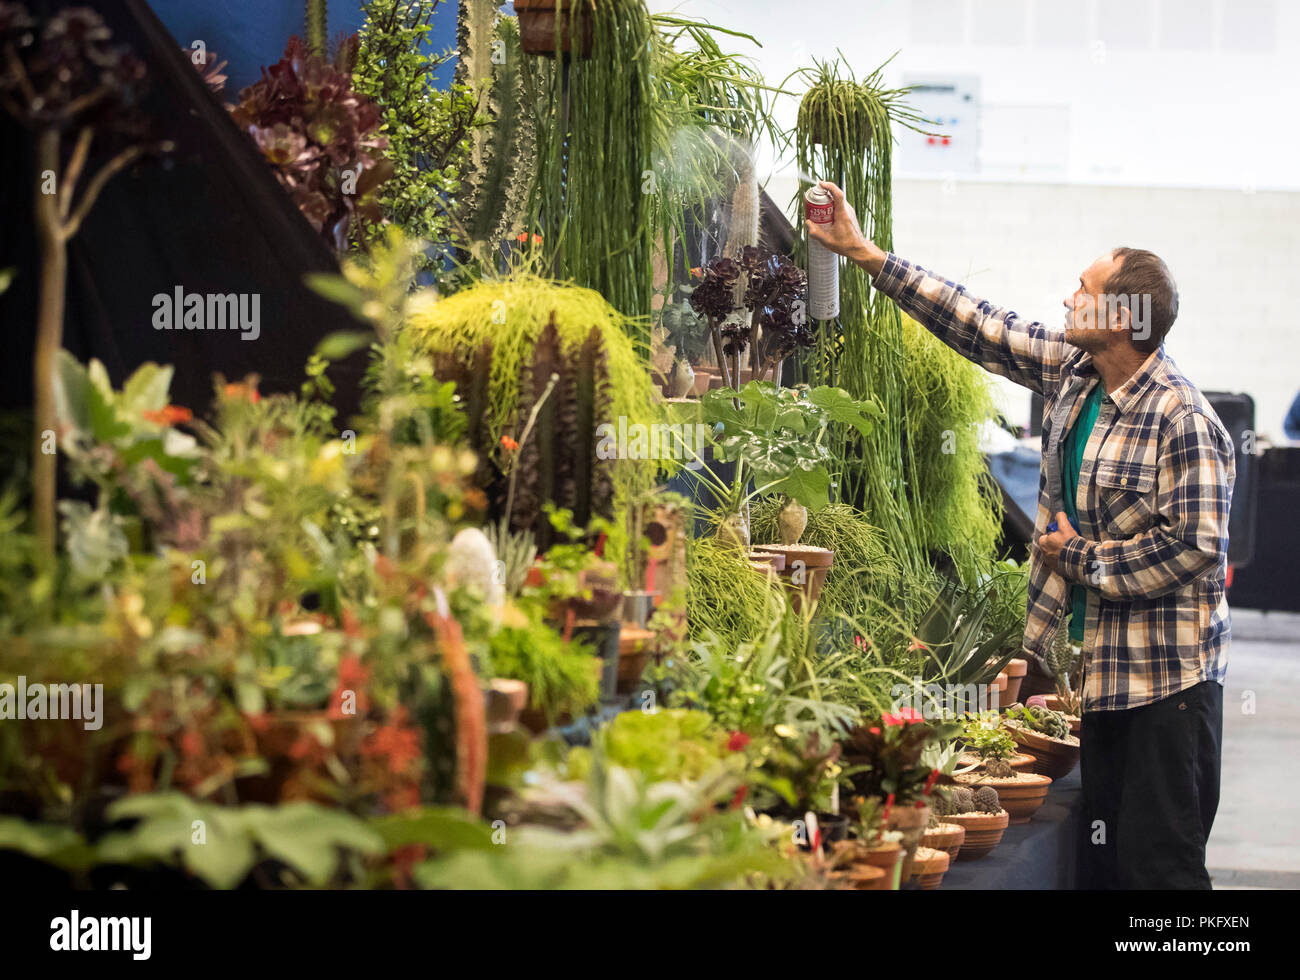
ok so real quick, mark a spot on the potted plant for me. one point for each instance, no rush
(1021, 793)
(539, 32)
(929, 866)
(775, 437)
(689, 337)
(979, 812)
(887, 759)
(1015, 671)
(1065, 662)
(1045, 735)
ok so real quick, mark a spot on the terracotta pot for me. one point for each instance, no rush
(946, 837)
(983, 832)
(772, 559)
(1015, 671)
(998, 691)
(1051, 758)
(888, 857)
(633, 652)
(505, 698)
(862, 877)
(911, 822)
(929, 866)
(1020, 797)
(1020, 762)
(537, 27)
(805, 570)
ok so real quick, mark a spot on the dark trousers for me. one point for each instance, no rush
(1150, 791)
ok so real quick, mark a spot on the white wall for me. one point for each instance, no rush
(1192, 153)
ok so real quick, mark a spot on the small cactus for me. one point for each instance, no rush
(956, 799)
(985, 800)
(998, 768)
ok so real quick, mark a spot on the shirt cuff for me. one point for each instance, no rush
(1076, 559)
(889, 280)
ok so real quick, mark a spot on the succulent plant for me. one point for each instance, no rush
(998, 768)
(985, 800)
(315, 129)
(955, 799)
(1051, 723)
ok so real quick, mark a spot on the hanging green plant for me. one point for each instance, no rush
(591, 202)
(843, 134)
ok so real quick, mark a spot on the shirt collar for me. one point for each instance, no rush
(1126, 395)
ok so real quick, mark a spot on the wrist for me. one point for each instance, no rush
(868, 257)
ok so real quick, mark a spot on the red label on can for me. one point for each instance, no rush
(819, 206)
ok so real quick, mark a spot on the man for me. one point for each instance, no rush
(1132, 541)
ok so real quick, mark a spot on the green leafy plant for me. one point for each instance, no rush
(777, 437)
(948, 641)
(561, 677)
(989, 738)
(428, 128)
(888, 755)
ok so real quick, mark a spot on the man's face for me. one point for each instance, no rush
(1087, 324)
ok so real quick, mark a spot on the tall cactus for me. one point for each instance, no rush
(503, 154)
(317, 27)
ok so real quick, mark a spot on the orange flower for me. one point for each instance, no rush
(243, 389)
(509, 443)
(168, 415)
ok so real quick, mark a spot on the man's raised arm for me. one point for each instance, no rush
(1028, 353)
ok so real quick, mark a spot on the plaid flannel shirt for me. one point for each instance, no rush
(1153, 499)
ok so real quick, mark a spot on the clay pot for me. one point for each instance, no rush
(633, 652)
(947, 837)
(929, 866)
(774, 560)
(1051, 758)
(537, 27)
(805, 570)
(983, 832)
(998, 691)
(1020, 797)
(1015, 671)
(888, 857)
(911, 822)
(862, 877)
(505, 698)
(1020, 762)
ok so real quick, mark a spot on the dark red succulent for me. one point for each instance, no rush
(320, 134)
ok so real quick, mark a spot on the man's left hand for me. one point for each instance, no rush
(1051, 544)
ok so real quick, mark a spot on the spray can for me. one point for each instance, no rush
(823, 264)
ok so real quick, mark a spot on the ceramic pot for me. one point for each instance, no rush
(834, 827)
(983, 832)
(638, 607)
(505, 699)
(929, 866)
(1015, 671)
(537, 27)
(946, 837)
(1020, 797)
(681, 379)
(1051, 758)
(791, 520)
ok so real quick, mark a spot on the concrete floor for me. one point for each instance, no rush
(1253, 843)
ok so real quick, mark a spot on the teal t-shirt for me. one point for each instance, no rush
(1071, 464)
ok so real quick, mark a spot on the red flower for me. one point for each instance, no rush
(738, 797)
(168, 415)
(891, 720)
(910, 716)
(929, 783)
(874, 731)
(737, 742)
(509, 443)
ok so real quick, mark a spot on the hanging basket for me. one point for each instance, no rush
(537, 27)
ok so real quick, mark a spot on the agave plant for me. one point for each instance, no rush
(948, 638)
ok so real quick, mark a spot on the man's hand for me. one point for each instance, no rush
(843, 236)
(1051, 544)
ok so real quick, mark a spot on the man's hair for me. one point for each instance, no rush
(1143, 273)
